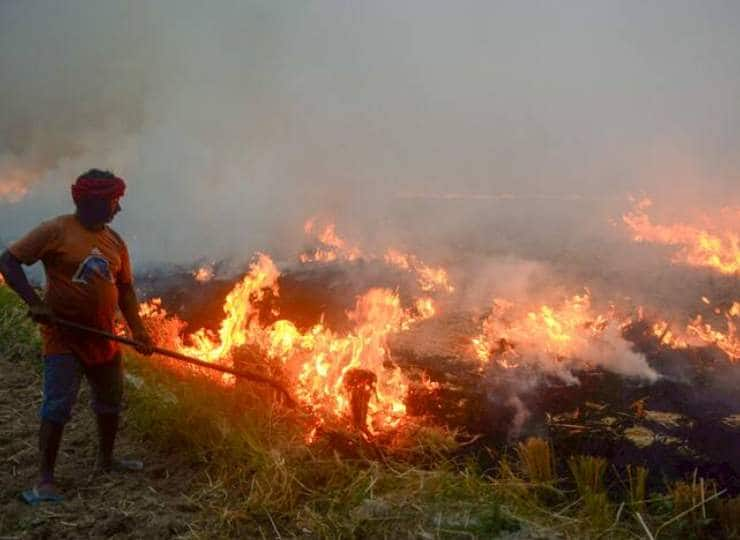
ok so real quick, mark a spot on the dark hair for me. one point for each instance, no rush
(97, 174)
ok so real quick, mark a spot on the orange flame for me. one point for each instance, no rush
(425, 307)
(428, 277)
(318, 359)
(559, 332)
(699, 332)
(321, 358)
(333, 246)
(428, 384)
(716, 249)
(203, 274)
(662, 330)
(240, 321)
(727, 341)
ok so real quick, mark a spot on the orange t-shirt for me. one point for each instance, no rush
(83, 271)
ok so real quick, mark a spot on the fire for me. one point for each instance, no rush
(428, 277)
(728, 341)
(204, 274)
(333, 247)
(240, 323)
(559, 339)
(699, 332)
(323, 359)
(511, 331)
(716, 247)
(320, 361)
(319, 255)
(352, 374)
(662, 330)
(425, 308)
(428, 384)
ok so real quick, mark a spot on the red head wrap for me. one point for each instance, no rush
(88, 187)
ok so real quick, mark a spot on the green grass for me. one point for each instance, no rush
(588, 473)
(535, 456)
(19, 336)
(636, 490)
(268, 479)
(263, 477)
(255, 476)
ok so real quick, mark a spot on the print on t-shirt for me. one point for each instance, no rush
(94, 263)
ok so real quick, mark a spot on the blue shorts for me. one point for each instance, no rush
(62, 377)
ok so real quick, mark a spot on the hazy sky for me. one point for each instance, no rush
(232, 121)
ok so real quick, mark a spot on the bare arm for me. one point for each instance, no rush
(12, 271)
(129, 305)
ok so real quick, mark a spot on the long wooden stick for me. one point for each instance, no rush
(182, 357)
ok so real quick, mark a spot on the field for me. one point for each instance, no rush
(234, 463)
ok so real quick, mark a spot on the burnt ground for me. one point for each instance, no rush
(149, 504)
(687, 421)
(690, 419)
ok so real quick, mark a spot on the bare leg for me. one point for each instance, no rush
(50, 436)
(107, 429)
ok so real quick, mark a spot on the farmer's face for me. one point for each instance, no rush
(99, 211)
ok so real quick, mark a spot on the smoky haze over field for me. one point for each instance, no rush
(234, 121)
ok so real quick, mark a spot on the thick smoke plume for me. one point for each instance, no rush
(422, 122)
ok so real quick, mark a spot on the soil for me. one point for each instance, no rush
(594, 417)
(152, 503)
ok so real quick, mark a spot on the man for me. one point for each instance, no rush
(88, 276)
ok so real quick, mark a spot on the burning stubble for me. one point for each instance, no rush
(355, 368)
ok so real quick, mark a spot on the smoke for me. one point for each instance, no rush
(615, 354)
(521, 415)
(558, 340)
(234, 122)
(72, 87)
